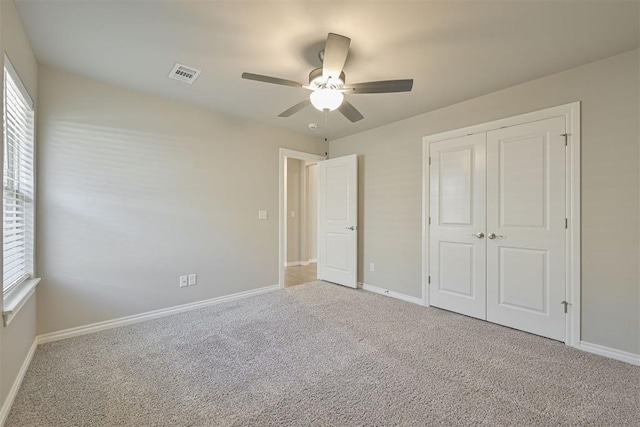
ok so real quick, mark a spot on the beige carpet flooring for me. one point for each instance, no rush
(320, 354)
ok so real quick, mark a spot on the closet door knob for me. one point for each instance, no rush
(479, 235)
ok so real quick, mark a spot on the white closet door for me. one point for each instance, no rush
(526, 213)
(457, 210)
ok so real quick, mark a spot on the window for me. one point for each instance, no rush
(18, 193)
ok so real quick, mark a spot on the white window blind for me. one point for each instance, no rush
(18, 174)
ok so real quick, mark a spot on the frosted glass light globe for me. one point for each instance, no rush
(326, 99)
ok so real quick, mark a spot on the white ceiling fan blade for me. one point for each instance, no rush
(386, 86)
(335, 55)
(350, 112)
(299, 106)
(269, 79)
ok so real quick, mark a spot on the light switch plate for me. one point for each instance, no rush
(262, 214)
(183, 281)
(193, 279)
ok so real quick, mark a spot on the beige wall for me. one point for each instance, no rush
(294, 169)
(390, 173)
(136, 190)
(17, 338)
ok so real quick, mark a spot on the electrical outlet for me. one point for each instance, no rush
(372, 267)
(293, 214)
(183, 281)
(193, 279)
(262, 214)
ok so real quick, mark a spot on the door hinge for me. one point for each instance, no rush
(429, 160)
(429, 280)
(566, 138)
(566, 223)
(429, 220)
(566, 304)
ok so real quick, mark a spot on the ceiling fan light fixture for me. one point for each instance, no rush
(326, 99)
(327, 83)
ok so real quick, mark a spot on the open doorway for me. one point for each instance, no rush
(301, 224)
(298, 217)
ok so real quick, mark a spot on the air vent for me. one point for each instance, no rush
(184, 73)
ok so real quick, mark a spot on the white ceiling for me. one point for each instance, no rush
(453, 50)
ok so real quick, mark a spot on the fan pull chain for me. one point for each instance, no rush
(326, 125)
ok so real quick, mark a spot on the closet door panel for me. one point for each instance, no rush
(526, 227)
(457, 210)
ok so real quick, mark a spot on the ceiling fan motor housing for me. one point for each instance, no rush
(316, 79)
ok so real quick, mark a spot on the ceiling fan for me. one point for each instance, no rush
(328, 84)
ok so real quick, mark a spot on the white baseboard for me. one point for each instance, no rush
(612, 353)
(128, 320)
(302, 263)
(6, 406)
(392, 294)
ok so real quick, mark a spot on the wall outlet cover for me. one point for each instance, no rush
(193, 279)
(262, 214)
(183, 281)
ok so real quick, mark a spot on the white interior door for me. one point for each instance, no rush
(338, 220)
(526, 213)
(457, 214)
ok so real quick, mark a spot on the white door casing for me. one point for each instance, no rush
(457, 244)
(338, 220)
(526, 261)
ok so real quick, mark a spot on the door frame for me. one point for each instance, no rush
(571, 113)
(282, 203)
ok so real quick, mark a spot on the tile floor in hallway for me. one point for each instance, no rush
(300, 274)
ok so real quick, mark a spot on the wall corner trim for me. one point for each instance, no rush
(611, 353)
(6, 406)
(393, 294)
(136, 318)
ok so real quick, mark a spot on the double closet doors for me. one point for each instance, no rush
(498, 226)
